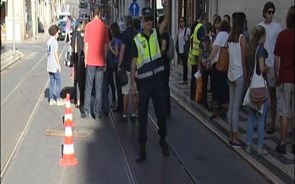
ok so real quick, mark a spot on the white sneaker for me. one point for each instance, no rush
(248, 149)
(52, 102)
(60, 103)
(262, 152)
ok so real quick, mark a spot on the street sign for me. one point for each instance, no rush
(134, 9)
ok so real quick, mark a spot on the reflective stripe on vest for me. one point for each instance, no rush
(196, 41)
(148, 50)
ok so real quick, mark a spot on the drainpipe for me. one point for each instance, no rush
(13, 27)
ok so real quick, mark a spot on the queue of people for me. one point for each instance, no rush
(140, 51)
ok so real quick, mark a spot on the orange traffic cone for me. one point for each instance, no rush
(68, 158)
(68, 111)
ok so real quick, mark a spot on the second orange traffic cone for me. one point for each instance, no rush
(68, 157)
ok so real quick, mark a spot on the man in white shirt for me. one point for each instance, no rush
(272, 30)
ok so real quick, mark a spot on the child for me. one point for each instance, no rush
(257, 54)
(53, 66)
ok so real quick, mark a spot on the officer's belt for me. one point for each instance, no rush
(150, 73)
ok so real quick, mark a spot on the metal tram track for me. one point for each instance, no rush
(173, 151)
(29, 122)
(130, 173)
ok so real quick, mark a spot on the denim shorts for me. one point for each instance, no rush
(285, 99)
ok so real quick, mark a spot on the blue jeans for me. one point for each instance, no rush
(253, 115)
(93, 73)
(54, 78)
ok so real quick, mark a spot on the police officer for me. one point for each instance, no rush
(147, 60)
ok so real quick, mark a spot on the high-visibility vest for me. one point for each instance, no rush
(195, 48)
(148, 50)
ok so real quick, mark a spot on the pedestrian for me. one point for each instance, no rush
(199, 32)
(95, 49)
(284, 70)
(125, 59)
(218, 78)
(226, 17)
(147, 61)
(258, 54)
(80, 71)
(68, 30)
(205, 49)
(237, 76)
(183, 39)
(114, 51)
(272, 30)
(75, 60)
(165, 37)
(53, 66)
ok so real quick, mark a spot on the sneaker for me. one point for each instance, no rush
(98, 117)
(281, 148)
(133, 119)
(248, 149)
(262, 152)
(60, 103)
(84, 116)
(124, 120)
(237, 144)
(52, 102)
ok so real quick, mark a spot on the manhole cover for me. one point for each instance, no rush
(60, 131)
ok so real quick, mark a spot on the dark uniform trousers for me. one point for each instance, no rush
(151, 88)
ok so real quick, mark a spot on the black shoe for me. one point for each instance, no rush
(164, 145)
(118, 110)
(183, 83)
(142, 155)
(98, 117)
(270, 130)
(124, 120)
(84, 116)
(205, 105)
(281, 148)
(133, 119)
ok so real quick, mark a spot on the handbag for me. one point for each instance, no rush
(198, 96)
(223, 59)
(122, 75)
(257, 91)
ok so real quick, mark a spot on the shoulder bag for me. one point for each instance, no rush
(257, 92)
(223, 59)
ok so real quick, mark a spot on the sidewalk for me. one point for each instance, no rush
(277, 168)
(7, 56)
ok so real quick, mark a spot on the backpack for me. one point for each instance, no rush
(170, 51)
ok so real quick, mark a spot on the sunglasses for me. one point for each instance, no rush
(149, 18)
(271, 12)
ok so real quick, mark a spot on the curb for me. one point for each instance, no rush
(268, 175)
(5, 64)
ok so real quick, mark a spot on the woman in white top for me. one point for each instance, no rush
(218, 78)
(183, 37)
(237, 75)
